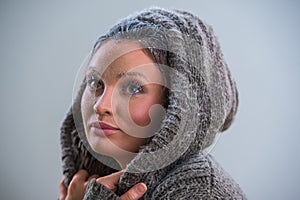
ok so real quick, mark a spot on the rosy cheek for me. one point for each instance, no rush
(139, 112)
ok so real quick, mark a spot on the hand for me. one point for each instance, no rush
(77, 186)
(111, 181)
(80, 181)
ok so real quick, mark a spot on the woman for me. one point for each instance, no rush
(156, 94)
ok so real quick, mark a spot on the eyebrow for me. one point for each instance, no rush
(124, 74)
(92, 69)
(120, 75)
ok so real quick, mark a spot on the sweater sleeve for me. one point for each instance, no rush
(97, 191)
(196, 189)
(202, 180)
(172, 189)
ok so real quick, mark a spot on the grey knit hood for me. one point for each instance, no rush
(202, 96)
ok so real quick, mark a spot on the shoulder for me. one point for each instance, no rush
(198, 177)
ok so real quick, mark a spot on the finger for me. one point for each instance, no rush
(78, 181)
(89, 180)
(93, 176)
(111, 181)
(62, 189)
(135, 192)
(81, 175)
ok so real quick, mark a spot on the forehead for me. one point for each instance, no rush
(116, 57)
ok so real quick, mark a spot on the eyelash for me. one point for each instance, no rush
(129, 87)
(94, 83)
(132, 88)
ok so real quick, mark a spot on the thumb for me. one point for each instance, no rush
(135, 192)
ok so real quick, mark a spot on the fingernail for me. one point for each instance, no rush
(141, 188)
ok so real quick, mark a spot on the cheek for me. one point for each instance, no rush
(86, 105)
(140, 114)
(139, 111)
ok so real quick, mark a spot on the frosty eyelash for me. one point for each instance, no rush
(132, 88)
(93, 81)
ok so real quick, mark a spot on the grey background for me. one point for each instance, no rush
(43, 43)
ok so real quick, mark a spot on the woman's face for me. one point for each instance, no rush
(121, 104)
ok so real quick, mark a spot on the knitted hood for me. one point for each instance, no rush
(202, 96)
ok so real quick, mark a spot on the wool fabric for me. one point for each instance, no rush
(202, 102)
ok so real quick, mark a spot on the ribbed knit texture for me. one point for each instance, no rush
(202, 102)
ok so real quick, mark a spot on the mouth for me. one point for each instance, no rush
(103, 129)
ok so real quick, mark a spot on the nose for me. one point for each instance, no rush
(103, 103)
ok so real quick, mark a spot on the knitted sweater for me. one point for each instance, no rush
(199, 177)
(202, 102)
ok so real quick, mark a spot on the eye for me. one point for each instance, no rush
(133, 87)
(94, 83)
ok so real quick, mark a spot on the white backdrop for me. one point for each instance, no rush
(43, 43)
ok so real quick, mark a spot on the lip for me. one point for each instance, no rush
(103, 129)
